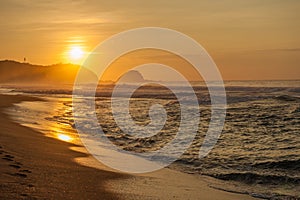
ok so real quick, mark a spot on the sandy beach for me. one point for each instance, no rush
(34, 166)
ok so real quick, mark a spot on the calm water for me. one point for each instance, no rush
(259, 147)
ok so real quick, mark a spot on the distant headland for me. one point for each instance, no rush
(13, 72)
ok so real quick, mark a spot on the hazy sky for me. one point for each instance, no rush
(248, 39)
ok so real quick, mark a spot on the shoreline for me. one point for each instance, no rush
(34, 166)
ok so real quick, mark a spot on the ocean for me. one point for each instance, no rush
(257, 153)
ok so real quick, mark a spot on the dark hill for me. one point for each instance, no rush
(132, 77)
(12, 72)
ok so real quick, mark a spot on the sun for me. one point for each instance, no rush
(76, 53)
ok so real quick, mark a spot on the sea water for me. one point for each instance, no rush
(259, 147)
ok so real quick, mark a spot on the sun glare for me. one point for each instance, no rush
(76, 53)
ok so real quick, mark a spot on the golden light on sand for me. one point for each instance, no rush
(63, 137)
(76, 53)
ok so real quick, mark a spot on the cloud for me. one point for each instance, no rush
(292, 49)
(281, 50)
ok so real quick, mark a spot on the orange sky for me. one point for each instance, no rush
(257, 39)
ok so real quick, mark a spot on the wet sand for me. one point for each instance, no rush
(33, 166)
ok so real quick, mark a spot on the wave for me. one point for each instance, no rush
(297, 110)
(287, 98)
(284, 164)
(254, 178)
(295, 89)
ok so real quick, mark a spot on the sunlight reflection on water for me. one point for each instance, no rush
(63, 137)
